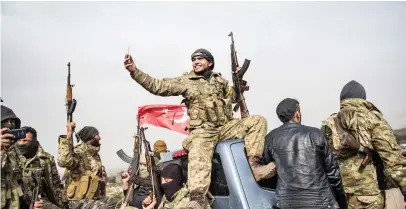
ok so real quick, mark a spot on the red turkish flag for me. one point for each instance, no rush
(162, 115)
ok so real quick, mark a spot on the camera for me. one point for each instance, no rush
(18, 133)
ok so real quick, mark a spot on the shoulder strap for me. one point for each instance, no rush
(343, 134)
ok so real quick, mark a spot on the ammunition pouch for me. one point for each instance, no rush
(83, 187)
(219, 112)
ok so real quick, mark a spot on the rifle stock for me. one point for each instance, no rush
(239, 84)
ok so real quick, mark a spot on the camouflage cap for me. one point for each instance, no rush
(205, 54)
(160, 146)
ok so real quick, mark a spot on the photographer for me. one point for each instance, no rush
(10, 162)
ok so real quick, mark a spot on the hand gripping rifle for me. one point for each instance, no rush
(70, 102)
(239, 83)
(37, 190)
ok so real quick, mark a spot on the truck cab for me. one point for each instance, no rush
(232, 183)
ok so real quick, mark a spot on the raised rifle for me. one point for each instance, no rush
(70, 102)
(37, 189)
(152, 169)
(134, 164)
(239, 83)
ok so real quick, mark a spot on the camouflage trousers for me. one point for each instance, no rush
(365, 202)
(201, 143)
(103, 203)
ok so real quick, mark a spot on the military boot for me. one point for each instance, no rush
(261, 171)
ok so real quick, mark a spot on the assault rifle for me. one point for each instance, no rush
(153, 180)
(134, 164)
(37, 190)
(70, 102)
(152, 169)
(240, 85)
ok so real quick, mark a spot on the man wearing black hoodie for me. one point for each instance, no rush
(11, 162)
(308, 173)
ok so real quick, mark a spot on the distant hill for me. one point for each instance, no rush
(115, 171)
(400, 135)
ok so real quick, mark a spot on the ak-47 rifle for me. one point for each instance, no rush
(134, 164)
(152, 169)
(37, 190)
(239, 83)
(70, 102)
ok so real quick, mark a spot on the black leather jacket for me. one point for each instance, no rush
(308, 173)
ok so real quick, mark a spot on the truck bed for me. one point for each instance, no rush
(232, 182)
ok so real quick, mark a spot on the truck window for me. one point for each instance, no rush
(218, 186)
(267, 184)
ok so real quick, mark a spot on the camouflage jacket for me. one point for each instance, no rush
(11, 164)
(51, 186)
(209, 101)
(83, 158)
(367, 124)
(181, 200)
(354, 182)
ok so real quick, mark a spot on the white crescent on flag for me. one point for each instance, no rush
(184, 118)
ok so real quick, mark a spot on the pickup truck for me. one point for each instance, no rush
(232, 182)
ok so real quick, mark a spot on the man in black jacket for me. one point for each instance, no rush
(308, 173)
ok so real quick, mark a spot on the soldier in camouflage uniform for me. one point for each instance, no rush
(43, 163)
(363, 121)
(84, 185)
(209, 99)
(176, 194)
(11, 163)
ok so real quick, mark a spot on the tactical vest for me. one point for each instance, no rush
(206, 100)
(86, 185)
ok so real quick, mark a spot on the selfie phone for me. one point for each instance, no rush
(18, 133)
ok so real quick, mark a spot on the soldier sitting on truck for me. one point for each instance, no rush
(208, 98)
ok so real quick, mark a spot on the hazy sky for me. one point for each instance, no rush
(304, 50)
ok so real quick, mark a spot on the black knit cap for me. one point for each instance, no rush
(286, 109)
(173, 171)
(353, 90)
